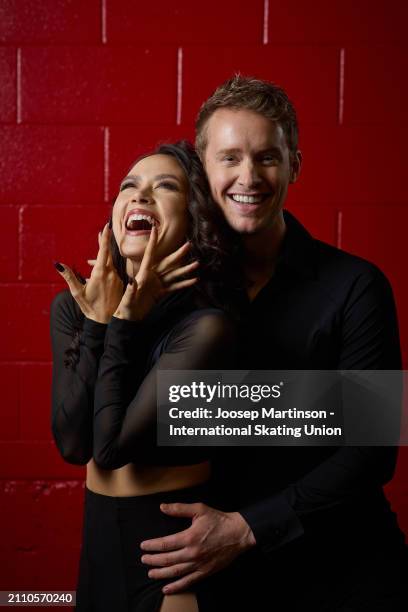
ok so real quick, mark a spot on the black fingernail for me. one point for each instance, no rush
(110, 223)
(59, 266)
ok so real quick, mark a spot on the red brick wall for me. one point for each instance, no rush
(87, 85)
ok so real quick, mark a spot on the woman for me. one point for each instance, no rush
(137, 313)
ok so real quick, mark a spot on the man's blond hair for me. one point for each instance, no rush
(256, 95)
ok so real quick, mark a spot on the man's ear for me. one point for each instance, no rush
(296, 166)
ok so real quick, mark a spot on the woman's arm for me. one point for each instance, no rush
(73, 385)
(124, 427)
(82, 313)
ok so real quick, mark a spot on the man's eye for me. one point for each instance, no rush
(268, 159)
(229, 158)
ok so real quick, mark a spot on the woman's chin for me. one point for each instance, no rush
(134, 251)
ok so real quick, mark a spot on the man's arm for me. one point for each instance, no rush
(369, 341)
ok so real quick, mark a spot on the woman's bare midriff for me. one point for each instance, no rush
(133, 479)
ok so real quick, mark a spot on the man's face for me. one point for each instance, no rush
(248, 166)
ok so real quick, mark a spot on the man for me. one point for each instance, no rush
(312, 523)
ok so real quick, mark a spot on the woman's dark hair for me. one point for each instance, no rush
(214, 244)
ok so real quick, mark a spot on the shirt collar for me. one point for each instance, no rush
(297, 254)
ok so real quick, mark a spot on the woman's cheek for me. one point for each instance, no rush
(116, 227)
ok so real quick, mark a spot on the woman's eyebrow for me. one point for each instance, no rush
(159, 177)
(131, 177)
(137, 178)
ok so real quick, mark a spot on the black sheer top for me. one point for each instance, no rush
(104, 400)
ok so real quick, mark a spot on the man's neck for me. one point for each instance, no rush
(261, 254)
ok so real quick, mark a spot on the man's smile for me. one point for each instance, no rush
(248, 204)
(248, 198)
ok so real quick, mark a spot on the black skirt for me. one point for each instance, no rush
(111, 574)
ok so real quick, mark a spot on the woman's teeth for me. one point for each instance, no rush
(134, 220)
(247, 199)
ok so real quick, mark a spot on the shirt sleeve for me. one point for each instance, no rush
(125, 398)
(370, 341)
(73, 383)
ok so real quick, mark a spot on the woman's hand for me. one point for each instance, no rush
(102, 292)
(154, 280)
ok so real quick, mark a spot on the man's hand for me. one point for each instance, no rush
(212, 542)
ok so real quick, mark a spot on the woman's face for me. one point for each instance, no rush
(154, 191)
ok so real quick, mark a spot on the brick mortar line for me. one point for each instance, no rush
(341, 85)
(19, 404)
(41, 479)
(44, 284)
(179, 94)
(106, 139)
(18, 86)
(24, 363)
(103, 22)
(20, 243)
(339, 228)
(265, 33)
(54, 206)
(36, 441)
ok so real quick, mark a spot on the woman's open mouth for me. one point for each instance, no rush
(139, 222)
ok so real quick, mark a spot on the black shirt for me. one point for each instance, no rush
(104, 401)
(323, 309)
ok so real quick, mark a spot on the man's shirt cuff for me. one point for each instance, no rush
(273, 521)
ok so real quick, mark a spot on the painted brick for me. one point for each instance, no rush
(44, 502)
(126, 143)
(8, 80)
(35, 460)
(16, 506)
(339, 21)
(65, 234)
(9, 405)
(402, 468)
(25, 310)
(52, 498)
(309, 76)
(99, 85)
(397, 495)
(35, 402)
(9, 244)
(341, 166)
(49, 164)
(367, 232)
(56, 21)
(185, 23)
(320, 221)
(374, 91)
(40, 571)
(64, 166)
(8, 563)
